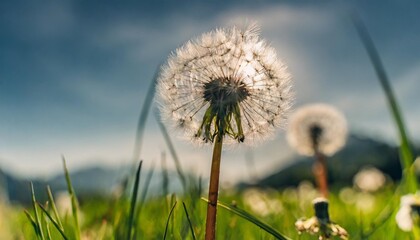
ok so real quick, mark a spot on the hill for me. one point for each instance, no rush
(359, 152)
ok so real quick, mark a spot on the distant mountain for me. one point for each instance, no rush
(358, 153)
(88, 181)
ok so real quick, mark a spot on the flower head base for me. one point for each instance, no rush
(317, 128)
(320, 224)
(408, 215)
(227, 84)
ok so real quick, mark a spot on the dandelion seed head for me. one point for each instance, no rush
(227, 82)
(317, 127)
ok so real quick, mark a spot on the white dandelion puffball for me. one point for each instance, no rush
(317, 127)
(369, 179)
(409, 206)
(227, 83)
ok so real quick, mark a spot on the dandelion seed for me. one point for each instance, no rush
(227, 82)
(317, 127)
(226, 86)
(408, 215)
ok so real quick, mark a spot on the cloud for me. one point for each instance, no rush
(40, 20)
(86, 92)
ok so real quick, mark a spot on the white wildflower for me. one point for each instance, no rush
(227, 83)
(317, 127)
(408, 214)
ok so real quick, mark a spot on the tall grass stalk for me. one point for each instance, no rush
(167, 221)
(74, 202)
(406, 155)
(189, 221)
(174, 155)
(133, 203)
(38, 225)
(32, 221)
(54, 207)
(145, 191)
(55, 222)
(252, 219)
(144, 113)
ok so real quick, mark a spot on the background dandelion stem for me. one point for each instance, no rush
(320, 171)
(406, 155)
(214, 189)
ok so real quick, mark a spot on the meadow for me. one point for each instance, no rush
(242, 214)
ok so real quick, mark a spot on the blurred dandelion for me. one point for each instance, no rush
(365, 201)
(225, 86)
(320, 224)
(369, 179)
(262, 202)
(408, 216)
(63, 202)
(317, 130)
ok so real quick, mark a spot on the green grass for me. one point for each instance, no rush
(164, 217)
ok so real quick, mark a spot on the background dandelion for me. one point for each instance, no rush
(317, 127)
(317, 130)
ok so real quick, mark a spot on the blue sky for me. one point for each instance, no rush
(73, 74)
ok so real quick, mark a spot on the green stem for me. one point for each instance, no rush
(406, 155)
(214, 189)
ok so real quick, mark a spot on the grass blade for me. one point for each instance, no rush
(252, 219)
(144, 113)
(74, 202)
(189, 221)
(145, 190)
(406, 155)
(171, 147)
(165, 176)
(167, 221)
(53, 206)
(133, 202)
(32, 220)
(37, 219)
(48, 232)
(55, 223)
(386, 213)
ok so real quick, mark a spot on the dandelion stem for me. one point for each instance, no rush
(214, 189)
(320, 172)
